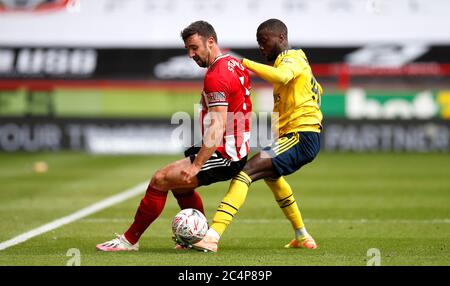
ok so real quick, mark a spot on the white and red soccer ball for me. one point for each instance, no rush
(189, 226)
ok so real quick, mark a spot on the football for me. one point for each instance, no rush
(189, 226)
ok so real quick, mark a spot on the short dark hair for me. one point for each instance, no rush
(201, 28)
(274, 25)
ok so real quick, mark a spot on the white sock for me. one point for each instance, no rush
(301, 232)
(211, 232)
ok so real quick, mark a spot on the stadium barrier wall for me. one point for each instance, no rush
(119, 136)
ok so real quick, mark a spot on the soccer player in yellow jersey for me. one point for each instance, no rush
(297, 103)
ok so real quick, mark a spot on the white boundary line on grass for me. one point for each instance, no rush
(108, 202)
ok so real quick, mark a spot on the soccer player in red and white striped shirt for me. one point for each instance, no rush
(225, 120)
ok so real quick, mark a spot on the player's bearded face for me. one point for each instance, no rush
(202, 55)
(198, 50)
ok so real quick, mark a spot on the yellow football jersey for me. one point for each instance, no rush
(295, 90)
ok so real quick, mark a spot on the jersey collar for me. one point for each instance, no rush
(218, 58)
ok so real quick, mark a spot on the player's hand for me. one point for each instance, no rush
(189, 173)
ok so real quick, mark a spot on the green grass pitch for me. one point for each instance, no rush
(396, 203)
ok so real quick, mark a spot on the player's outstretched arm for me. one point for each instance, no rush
(279, 75)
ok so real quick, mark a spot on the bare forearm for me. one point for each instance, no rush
(211, 140)
(203, 155)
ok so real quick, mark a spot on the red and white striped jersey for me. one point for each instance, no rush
(227, 83)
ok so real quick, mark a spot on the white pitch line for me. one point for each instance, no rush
(129, 193)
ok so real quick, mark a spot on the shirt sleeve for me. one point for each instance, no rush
(216, 91)
(288, 69)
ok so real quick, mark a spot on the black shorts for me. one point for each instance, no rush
(216, 168)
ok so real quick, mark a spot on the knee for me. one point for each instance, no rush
(158, 180)
(250, 168)
(258, 168)
(247, 169)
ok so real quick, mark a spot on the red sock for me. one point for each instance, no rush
(150, 208)
(190, 200)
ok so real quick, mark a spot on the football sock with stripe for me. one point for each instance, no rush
(231, 203)
(285, 199)
(189, 200)
(151, 206)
